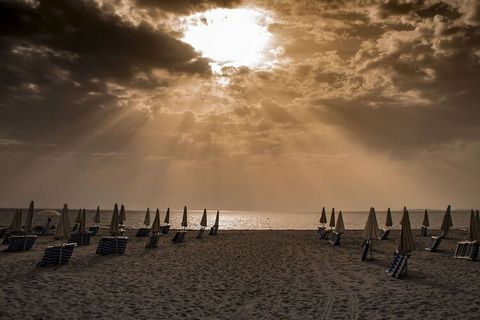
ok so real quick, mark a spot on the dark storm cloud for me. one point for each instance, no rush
(61, 58)
(188, 6)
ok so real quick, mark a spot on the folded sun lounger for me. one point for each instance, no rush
(335, 238)
(152, 241)
(434, 243)
(466, 250)
(213, 231)
(94, 230)
(384, 234)
(165, 229)
(21, 243)
(200, 233)
(110, 244)
(143, 232)
(57, 254)
(398, 266)
(365, 250)
(82, 239)
(179, 236)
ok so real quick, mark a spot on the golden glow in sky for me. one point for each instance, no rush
(230, 37)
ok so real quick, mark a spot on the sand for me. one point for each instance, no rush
(241, 275)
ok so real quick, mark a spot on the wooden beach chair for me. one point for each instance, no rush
(152, 241)
(81, 239)
(398, 266)
(143, 232)
(335, 238)
(434, 243)
(111, 244)
(384, 234)
(165, 229)
(179, 237)
(21, 243)
(213, 231)
(466, 250)
(94, 230)
(57, 254)
(200, 233)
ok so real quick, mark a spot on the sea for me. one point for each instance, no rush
(252, 220)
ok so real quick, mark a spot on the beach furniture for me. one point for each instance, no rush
(112, 244)
(213, 231)
(434, 243)
(425, 224)
(94, 230)
(200, 233)
(384, 234)
(370, 233)
(466, 250)
(21, 242)
(57, 254)
(398, 266)
(81, 238)
(424, 231)
(366, 248)
(179, 237)
(165, 229)
(325, 235)
(143, 232)
(152, 241)
(335, 238)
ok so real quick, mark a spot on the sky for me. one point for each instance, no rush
(240, 105)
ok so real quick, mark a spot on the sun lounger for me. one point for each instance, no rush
(213, 231)
(466, 250)
(152, 241)
(94, 230)
(41, 231)
(57, 254)
(398, 266)
(200, 233)
(179, 236)
(21, 243)
(143, 232)
(326, 234)
(335, 238)
(82, 239)
(365, 250)
(320, 230)
(165, 229)
(110, 244)
(384, 234)
(434, 243)
(8, 234)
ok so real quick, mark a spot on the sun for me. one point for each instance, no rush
(231, 37)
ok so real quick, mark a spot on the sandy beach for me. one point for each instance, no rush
(241, 275)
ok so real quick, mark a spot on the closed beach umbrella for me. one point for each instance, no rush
(78, 219)
(63, 228)
(389, 221)
(371, 227)
(203, 223)
(340, 226)
(16, 225)
(156, 222)
(216, 219)
(332, 218)
(323, 217)
(425, 222)
(447, 221)
(122, 216)
(406, 242)
(167, 217)
(473, 229)
(114, 222)
(146, 221)
(81, 228)
(184, 219)
(28, 222)
(96, 219)
(477, 217)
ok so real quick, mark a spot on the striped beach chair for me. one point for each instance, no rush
(335, 238)
(213, 231)
(94, 230)
(57, 254)
(152, 241)
(165, 229)
(384, 234)
(111, 244)
(179, 237)
(200, 233)
(398, 266)
(434, 243)
(143, 232)
(21, 243)
(466, 250)
(81, 239)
